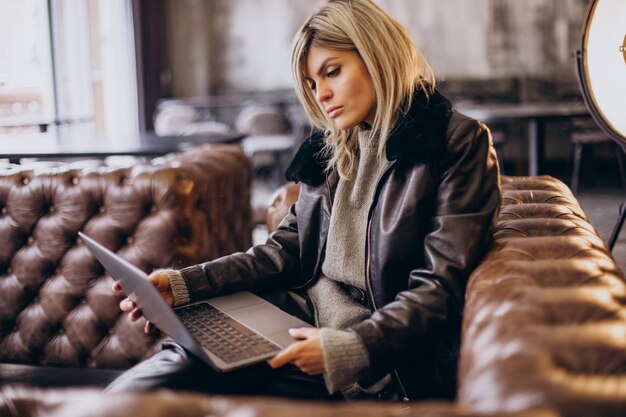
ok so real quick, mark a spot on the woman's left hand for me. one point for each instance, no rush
(306, 354)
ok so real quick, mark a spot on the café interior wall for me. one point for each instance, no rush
(223, 46)
(243, 45)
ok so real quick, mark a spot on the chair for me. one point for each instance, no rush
(270, 136)
(583, 133)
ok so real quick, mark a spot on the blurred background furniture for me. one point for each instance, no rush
(59, 321)
(585, 135)
(535, 115)
(271, 126)
(80, 143)
(270, 139)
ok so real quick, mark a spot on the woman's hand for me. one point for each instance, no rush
(306, 354)
(162, 283)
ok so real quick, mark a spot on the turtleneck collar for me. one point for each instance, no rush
(418, 136)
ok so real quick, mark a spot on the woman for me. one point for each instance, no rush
(398, 192)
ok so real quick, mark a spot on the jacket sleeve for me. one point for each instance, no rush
(413, 326)
(263, 267)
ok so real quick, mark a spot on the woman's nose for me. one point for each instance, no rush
(323, 93)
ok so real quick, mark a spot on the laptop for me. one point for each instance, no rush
(227, 332)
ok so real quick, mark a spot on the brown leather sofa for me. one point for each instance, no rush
(544, 323)
(59, 321)
(544, 331)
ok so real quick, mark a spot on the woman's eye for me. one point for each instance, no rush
(333, 73)
(312, 86)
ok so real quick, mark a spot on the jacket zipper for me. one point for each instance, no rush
(316, 272)
(368, 242)
(368, 277)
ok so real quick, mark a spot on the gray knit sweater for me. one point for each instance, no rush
(345, 355)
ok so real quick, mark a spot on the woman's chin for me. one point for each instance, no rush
(343, 124)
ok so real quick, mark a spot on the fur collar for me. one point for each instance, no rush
(419, 136)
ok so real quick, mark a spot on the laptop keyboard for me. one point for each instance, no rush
(222, 335)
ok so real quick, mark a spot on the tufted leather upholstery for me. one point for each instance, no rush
(56, 305)
(544, 323)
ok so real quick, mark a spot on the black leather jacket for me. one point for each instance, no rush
(427, 228)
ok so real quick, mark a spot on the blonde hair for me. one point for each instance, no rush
(397, 69)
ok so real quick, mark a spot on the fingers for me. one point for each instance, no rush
(303, 332)
(135, 315)
(306, 354)
(285, 356)
(116, 287)
(289, 354)
(127, 305)
(148, 327)
(130, 307)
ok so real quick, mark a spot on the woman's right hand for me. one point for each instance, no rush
(162, 283)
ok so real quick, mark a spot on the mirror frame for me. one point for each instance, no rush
(585, 88)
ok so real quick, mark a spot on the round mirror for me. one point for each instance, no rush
(602, 66)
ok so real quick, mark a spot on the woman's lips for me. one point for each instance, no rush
(334, 111)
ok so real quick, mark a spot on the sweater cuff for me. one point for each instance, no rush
(178, 285)
(345, 358)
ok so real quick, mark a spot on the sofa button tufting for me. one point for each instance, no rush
(130, 240)
(75, 180)
(102, 209)
(51, 209)
(25, 181)
(30, 240)
(4, 211)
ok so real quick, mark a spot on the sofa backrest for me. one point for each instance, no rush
(56, 304)
(545, 318)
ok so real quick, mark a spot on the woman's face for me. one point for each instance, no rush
(340, 82)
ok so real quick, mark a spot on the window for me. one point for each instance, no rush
(26, 93)
(66, 65)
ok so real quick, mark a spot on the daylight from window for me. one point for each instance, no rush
(68, 66)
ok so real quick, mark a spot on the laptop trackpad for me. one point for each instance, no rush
(266, 319)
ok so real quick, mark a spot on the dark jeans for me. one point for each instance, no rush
(175, 368)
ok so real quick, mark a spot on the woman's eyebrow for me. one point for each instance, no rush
(324, 63)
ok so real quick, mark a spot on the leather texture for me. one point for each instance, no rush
(56, 307)
(20, 402)
(544, 323)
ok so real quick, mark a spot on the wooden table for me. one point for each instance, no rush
(534, 114)
(88, 145)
